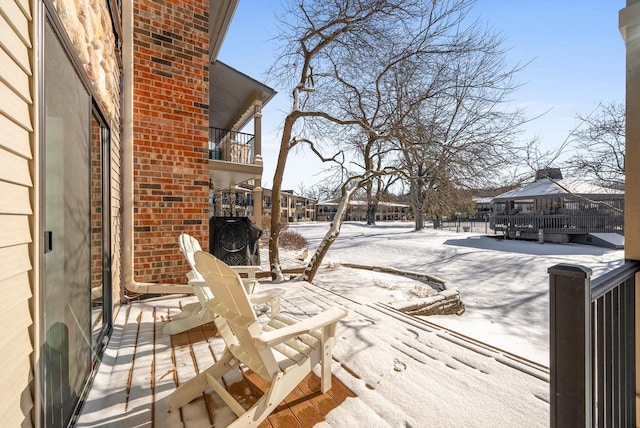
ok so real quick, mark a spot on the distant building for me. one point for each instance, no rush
(387, 211)
(240, 203)
(294, 207)
(563, 210)
(483, 207)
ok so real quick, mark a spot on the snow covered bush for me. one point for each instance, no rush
(292, 240)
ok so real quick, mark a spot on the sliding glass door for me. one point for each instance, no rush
(76, 277)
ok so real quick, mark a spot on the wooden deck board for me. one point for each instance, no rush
(110, 388)
(302, 408)
(139, 400)
(203, 358)
(186, 367)
(139, 375)
(164, 373)
(426, 351)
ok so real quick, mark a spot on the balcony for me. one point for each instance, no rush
(235, 100)
(230, 146)
(231, 157)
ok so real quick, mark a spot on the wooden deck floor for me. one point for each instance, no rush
(403, 372)
(304, 407)
(137, 376)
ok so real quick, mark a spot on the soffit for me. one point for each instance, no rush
(221, 13)
(232, 96)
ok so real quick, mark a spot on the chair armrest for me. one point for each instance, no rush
(197, 283)
(257, 298)
(250, 271)
(266, 296)
(323, 319)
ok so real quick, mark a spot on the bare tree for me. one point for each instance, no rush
(462, 137)
(600, 143)
(374, 152)
(324, 190)
(376, 190)
(313, 32)
(366, 66)
(333, 52)
(410, 70)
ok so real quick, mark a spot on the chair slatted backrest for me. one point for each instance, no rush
(188, 247)
(239, 324)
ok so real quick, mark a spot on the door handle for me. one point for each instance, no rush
(48, 241)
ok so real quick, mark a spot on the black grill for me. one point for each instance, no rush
(234, 240)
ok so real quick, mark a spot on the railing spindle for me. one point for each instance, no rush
(599, 363)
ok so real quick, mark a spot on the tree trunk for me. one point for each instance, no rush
(372, 208)
(436, 222)
(416, 204)
(274, 253)
(419, 218)
(332, 234)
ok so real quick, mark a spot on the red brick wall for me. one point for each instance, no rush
(170, 124)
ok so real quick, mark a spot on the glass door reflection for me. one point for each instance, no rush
(97, 288)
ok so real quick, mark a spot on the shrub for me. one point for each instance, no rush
(292, 240)
(266, 228)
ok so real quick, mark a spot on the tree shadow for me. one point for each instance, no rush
(527, 247)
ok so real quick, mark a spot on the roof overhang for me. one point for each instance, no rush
(221, 13)
(546, 188)
(233, 96)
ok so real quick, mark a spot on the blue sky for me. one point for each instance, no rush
(576, 51)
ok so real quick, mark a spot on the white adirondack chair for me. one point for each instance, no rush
(282, 352)
(196, 314)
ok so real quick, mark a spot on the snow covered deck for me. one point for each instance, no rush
(390, 370)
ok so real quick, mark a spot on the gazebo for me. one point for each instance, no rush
(564, 210)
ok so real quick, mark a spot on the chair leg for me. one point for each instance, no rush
(280, 387)
(325, 361)
(188, 310)
(186, 392)
(184, 324)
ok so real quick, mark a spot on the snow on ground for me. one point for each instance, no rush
(406, 374)
(503, 283)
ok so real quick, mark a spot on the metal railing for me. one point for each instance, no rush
(559, 223)
(592, 347)
(230, 146)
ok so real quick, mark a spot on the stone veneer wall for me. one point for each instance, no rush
(89, 26)
(171, 90)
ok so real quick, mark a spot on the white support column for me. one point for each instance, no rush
(257, 201)
(257, 132)
(257, 160)
(630, 29)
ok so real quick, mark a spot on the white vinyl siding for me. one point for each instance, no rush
(16, 373)
(14, 139)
